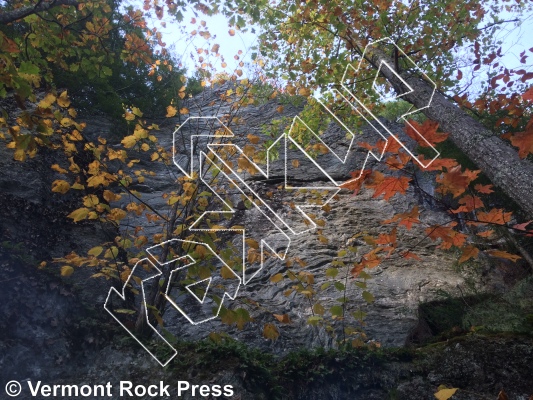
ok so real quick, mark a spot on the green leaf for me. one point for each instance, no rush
(125, 311)
(27, 67)
(332, 272)
(336, 311)
(369, 297)
(339, 286)
(318, 309)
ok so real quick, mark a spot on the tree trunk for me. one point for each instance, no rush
(497, 159)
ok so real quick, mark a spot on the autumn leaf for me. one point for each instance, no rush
(485, 189)
(63, 100)
(60, 186)
(468, 203)
(95, 251)
(453, 181)
(171, 111)
(284, 319)
(391, 185)
(129, 141)
(528, 95)
(504, 254)
(406, 219)
(270, 331)
(468, 253)
(445, 394)
(494, 216)
(48, 100)
(524, 142)
(184, 110)
(424, 134)
(79, 214)
(66, 270)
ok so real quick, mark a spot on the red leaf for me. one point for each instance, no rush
(528, 95)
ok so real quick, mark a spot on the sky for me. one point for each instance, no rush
(241, 45)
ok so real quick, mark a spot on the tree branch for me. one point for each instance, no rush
(14, 15)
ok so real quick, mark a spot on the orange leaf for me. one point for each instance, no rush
(409, 254)
(454, 182)
(524, 142)
(469, 203)
(438, 164)
(392, 185)
(270, 331)
(468, 253)
(528, 95)
(485, 189)
(494, 216)
(427, 131)
(504, 254)
(283, 318)
(358, 180)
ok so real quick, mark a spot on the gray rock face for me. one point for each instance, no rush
(43, 319)
(398, 285)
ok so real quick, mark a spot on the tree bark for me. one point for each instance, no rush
(19, 13)
(497, 159)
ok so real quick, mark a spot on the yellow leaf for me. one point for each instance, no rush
(184, 110)
(19, 155)
(129, 116)
(276, 278)
(72, 112)
(445, 394)
(171, 111)
(215, 48)
(129, 141)
(79, 214)
(60, 186)
(270, 331)
(145, 147)
(63, 100)
(47, 101)
(66, 270)
(295, 163)
(304, 92)
(252, 243)
(137, 112)
(154, 157)
(90, 200)
(109, 196)
(117, 214)
(96, 251)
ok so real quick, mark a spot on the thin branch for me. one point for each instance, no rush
(12, 16)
